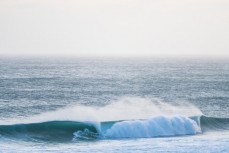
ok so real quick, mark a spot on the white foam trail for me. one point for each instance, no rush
(154, 127)
(127, 108)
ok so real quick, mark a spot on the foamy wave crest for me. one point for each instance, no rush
(160, 126)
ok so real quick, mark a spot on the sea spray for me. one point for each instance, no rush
(126, 108)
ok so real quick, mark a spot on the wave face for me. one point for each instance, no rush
(45, 131)
(214, 124)
(66, 131)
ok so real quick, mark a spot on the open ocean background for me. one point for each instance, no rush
(114, 104)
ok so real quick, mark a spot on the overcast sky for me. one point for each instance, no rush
(114, 27)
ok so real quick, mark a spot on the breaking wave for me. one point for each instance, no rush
(160, 126)
(125, 118)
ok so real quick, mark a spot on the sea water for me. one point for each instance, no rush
(114, 104)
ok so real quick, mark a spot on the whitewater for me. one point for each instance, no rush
(114, 105)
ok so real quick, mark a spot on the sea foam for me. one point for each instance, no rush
(160, 126)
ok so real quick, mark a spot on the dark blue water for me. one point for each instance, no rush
(34, 86)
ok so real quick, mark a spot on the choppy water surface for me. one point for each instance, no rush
(114, 105)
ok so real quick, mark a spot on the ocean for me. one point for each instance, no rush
(54, 104)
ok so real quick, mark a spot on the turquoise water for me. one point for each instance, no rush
(114, 105)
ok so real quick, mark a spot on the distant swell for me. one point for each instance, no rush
(160, 126)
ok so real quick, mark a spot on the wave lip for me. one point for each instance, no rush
(160, 126)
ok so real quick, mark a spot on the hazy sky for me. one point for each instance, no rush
(114, 27)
